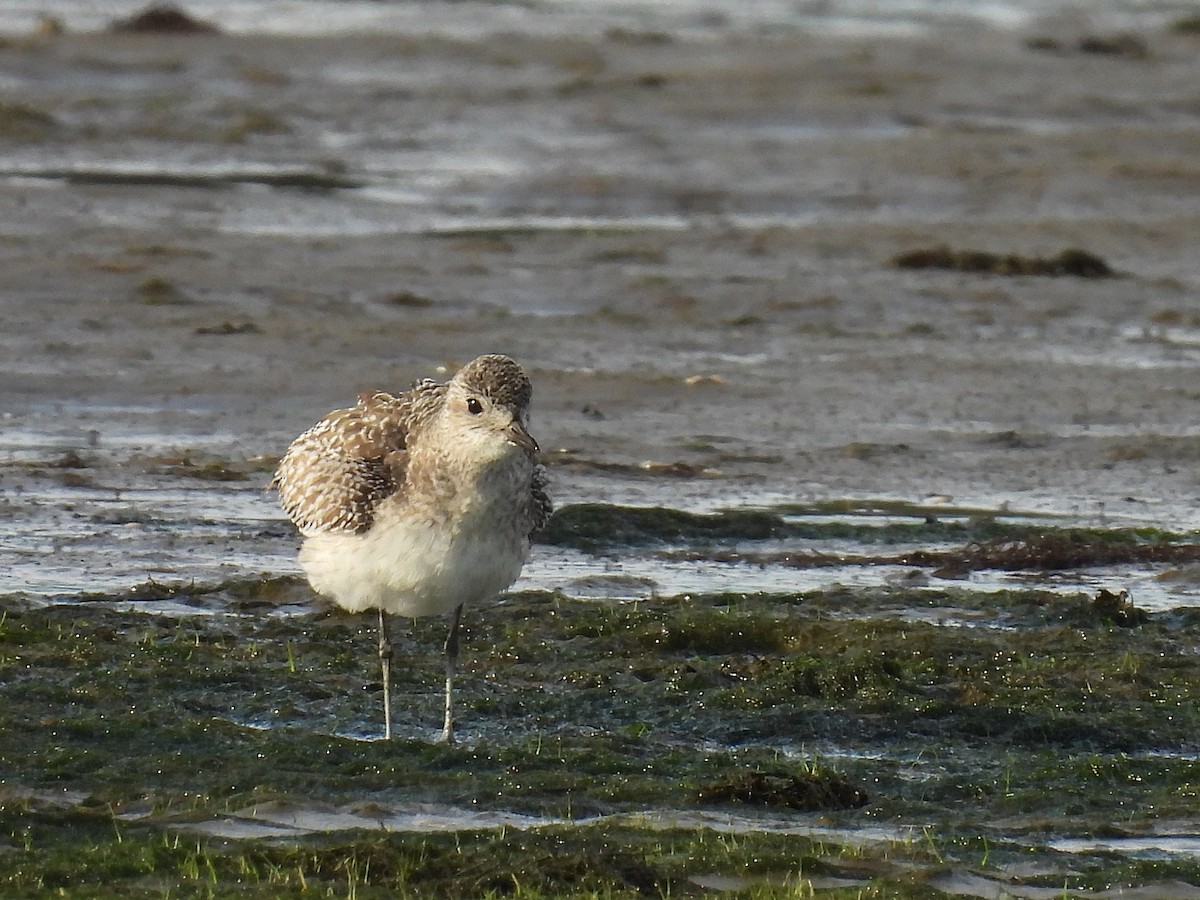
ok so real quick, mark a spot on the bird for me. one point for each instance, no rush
(420, 502)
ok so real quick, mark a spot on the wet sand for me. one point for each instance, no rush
(687, 243)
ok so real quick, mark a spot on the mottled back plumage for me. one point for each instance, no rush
(335, 474)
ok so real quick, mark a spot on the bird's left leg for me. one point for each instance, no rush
(451, 667)
(385, 664)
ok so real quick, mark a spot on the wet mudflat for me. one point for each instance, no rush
(1019, 739)
(834, 600)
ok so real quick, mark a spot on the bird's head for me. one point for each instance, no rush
(488, 399)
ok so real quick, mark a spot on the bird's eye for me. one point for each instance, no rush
(474, 407)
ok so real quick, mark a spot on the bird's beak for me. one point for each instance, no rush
(517, 434)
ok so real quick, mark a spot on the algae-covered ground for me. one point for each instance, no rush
(883, 742)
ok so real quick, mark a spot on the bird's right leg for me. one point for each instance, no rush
(385, 663)
(451, 667)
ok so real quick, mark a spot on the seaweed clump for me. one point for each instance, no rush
(21, 122)
(163, 18)
(1058, 550)
(1118, 608)
(996, 548)
(1126, 46)
(589, 526)
(1069, 262)
(813, 792)
(228, 327)
(1188, 25)
(1121, 45)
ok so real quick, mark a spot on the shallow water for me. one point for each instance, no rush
(476, 20)
(67, 543)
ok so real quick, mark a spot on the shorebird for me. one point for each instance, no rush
(420, 502)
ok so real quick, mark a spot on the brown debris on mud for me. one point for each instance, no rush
(163, 18)
(1055, 550)
(1118, 608)
(1071, 261)
(811, 792)
(1043, 551)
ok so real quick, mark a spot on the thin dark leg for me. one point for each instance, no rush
(451, 666)
(385, 663)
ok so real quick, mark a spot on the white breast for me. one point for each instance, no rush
(414, 565)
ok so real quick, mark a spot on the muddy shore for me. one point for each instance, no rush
(692, 247)
(622, 215)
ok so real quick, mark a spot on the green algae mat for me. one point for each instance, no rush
(222, 740)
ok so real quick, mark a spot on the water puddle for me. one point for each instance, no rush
(968, 884)
(83, 521)
(153, 172)
(1156, 846)
(285, 820)
(278, 818)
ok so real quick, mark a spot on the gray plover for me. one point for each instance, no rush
(417, 503)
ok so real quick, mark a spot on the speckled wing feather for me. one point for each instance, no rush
(334, 475)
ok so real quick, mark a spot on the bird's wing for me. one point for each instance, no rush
(334, 475)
